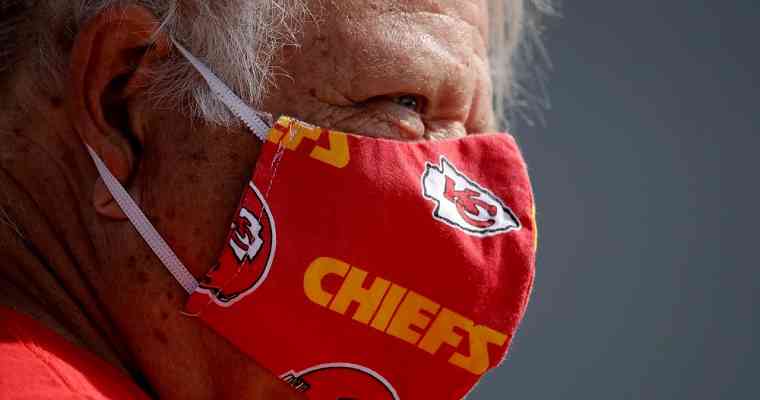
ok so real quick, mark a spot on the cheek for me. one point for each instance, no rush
(316, 74)
(194, 190)
(305, 86)
(482, 116)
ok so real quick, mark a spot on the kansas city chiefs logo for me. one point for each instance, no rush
(463, 204)
(246, 260)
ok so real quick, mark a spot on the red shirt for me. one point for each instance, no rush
(37, 363)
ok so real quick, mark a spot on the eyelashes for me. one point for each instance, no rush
(411, 101)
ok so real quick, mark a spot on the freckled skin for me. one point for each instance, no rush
(187, 177)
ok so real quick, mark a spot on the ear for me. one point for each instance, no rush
(110, 63)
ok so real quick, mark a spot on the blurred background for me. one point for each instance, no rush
(646, 177)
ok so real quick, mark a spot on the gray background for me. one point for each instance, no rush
(646, 179)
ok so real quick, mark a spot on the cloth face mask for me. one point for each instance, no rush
(363, 268)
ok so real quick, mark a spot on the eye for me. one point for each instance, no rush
(410, 101)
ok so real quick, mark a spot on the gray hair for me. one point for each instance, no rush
(36, 36)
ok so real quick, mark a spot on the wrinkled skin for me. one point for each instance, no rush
(398, 69)
(368, 53)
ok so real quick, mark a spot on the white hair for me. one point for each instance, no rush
(239, 40)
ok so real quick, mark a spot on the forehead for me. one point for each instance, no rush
(473, 12)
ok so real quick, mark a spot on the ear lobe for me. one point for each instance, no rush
(110, 63)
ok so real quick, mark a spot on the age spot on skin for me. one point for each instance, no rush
(154, 219)
(160, 336)
(142, 277)
(171, 213)
(56, 102)
(69, 158)
(199, 156)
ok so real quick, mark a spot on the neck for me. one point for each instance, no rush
(44, 240)
(65, 270)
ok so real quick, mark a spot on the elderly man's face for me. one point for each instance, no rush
(406, 70)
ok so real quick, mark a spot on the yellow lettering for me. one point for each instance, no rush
(337, 155)
(352, 291)
(409, 315)
(290, 133)
(277, 132)
(316, 272)
(442, 331)
(478, 361)
(402, 313)
(292, 140)
(390, 302)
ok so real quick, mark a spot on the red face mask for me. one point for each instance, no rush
(362, 268)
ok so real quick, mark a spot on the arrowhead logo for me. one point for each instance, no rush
(463, 204)
(246, 240)
(245, 263)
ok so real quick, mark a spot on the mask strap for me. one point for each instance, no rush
(144, 227)
(138, 219)
(236, 106)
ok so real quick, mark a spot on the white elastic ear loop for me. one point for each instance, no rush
(236, 106)
(141, 223)
(144, 227)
